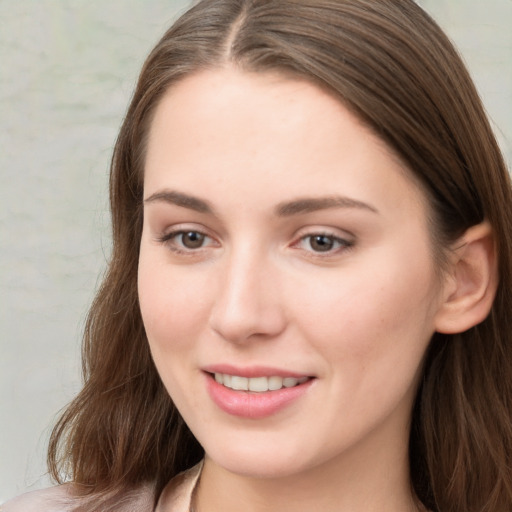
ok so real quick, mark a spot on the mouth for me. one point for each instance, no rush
(258, 393)
(257, 384)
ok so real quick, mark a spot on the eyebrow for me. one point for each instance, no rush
(286, 209)
(180, 199)
(312, 204)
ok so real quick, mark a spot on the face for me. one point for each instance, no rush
(286, 278)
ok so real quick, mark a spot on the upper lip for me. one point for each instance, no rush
(253, 371)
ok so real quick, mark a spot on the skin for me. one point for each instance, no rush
(257, 291)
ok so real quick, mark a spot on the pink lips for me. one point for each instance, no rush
(253, 405)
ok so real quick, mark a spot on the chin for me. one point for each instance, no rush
(271, 461)
(262, 468)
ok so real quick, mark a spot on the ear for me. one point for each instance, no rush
(471, 282)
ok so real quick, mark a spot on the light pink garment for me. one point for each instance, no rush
(175, 497)
(177, 494)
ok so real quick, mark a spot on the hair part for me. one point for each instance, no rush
(392, 66)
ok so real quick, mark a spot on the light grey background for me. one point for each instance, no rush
(67, 70)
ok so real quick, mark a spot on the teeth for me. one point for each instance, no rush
(239, 383)
(289, 382)
(275, 383)
(257, 384)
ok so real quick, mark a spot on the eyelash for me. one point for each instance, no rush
(170, 239)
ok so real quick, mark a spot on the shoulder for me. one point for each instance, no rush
(62, 499)
(177, 495)
(53, 499)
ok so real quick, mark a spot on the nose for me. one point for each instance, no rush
(247, 305)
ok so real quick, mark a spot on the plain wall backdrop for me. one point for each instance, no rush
(67, 71)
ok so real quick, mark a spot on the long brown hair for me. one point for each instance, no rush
(388, 62)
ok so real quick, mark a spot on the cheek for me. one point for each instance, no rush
(378, 310)
(171, 310)
(172, 306)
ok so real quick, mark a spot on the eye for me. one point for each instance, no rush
(186, 240)
(190, 239)
(323, 243)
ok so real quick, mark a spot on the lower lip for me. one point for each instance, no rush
(247, 404)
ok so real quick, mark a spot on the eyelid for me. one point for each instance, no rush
(182, 227)
(334, 232)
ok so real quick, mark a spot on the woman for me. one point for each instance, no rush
(307, 306)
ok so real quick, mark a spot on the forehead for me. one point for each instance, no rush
(256, 131)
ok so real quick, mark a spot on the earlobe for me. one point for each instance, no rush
(473, 280)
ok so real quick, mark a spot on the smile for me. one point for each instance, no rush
(257, 384)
